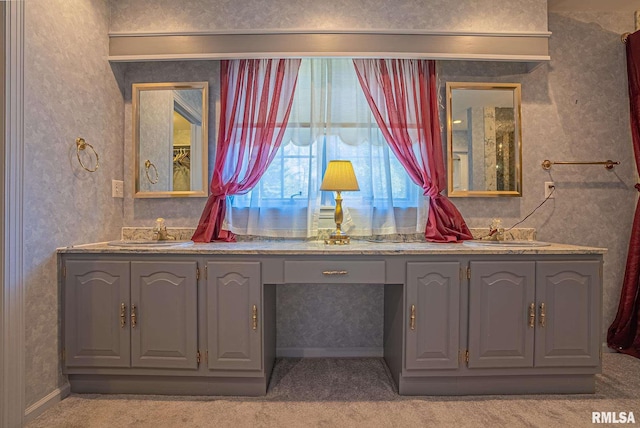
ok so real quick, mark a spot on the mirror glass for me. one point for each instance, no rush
(170, 139)
(484, 139)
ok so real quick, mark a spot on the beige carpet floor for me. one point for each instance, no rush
(352, 393)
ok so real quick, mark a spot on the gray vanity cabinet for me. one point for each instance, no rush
(139, 314)
(568, 299)
(534, 314)
(234, 314)
(96, 300)
(501, 295)
(164, 304)
(147, 322)
(433, 315)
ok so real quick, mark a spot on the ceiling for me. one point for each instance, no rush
(593, 5)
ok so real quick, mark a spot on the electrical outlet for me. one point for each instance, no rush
(117, 188)
(548, 188)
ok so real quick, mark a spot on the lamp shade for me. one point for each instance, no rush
(339, 176)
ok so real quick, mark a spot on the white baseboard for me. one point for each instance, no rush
(45, 403)
(329, 352)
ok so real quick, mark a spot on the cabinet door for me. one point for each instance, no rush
(95, 294)
(164, 305)
(500, 299)
(433, 315)
(570, 333)
(234, 314)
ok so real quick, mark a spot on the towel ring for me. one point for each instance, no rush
(148, 164)
(81, 145)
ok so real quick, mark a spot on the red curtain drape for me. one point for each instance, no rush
(255, 102)
(624, 332)
(403, 97)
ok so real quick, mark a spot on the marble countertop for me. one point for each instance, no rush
(301, 247)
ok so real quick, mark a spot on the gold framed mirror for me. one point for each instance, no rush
(484, 139)
(170, 139)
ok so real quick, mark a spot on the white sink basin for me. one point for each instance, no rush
(146, 243)
(510, 243)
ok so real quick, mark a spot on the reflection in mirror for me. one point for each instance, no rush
(484, 139)
(170, 139)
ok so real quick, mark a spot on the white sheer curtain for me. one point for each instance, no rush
(330, 119)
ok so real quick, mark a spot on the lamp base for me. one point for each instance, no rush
(338, 238)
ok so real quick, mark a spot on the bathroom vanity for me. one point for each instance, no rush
(199, 319)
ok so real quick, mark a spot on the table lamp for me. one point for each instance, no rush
(339, 177)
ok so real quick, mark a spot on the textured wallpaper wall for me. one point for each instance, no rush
(423, 15)
(574, 108)
(156, 133)
(589, 117)
(70, 91)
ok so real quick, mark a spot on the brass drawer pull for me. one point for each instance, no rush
(543, 315)
(412, 318)
(335, 272)
(123, 315)
(254, 317)
(133, 316)
(532, 315)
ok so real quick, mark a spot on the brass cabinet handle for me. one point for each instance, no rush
(543, 315)
(254, 317)
(335, 272)
(412, 318)
(123, 315)
(133, 316)
(532, 315)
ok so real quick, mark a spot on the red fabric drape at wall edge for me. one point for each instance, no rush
(624, 332)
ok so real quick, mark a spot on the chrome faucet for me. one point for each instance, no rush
(160, 231)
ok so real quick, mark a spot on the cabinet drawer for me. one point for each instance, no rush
(334, 272)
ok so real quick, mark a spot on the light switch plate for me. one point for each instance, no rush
(117, 188)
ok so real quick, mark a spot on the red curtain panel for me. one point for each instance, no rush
(402, 94)
(255, 103)
(624, 332)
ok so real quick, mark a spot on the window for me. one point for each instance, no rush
(330, 119)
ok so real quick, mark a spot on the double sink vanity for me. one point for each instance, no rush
(200, 319)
